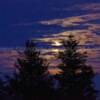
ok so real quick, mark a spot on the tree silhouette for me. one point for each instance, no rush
(29, 82)
(2, 92)
(76, 78)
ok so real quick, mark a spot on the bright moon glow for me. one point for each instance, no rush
(55, 50)
(56, 43)
(55, 71)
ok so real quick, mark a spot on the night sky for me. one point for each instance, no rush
(19, 18)
(49, 21)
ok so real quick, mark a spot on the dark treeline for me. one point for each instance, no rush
(31, 81)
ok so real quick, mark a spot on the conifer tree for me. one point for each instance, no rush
(28, 82)
(2, 92)
(76, 78)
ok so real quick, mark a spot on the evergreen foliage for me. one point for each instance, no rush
(2, 92)
(32, 82)
(29, 78)
(76, 78)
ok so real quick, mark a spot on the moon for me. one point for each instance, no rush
(56, 43)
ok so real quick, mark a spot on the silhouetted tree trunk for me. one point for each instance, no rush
(76, 78)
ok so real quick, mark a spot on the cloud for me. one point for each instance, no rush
(85, 27)
(81, 7)
(73, 21)
(84, 36)
(83, 23)
(8, 58)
